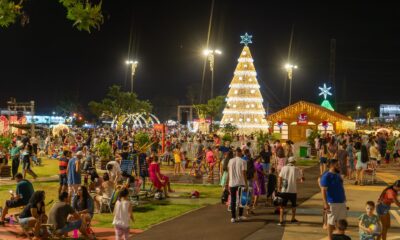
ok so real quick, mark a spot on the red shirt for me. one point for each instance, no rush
(389, 197)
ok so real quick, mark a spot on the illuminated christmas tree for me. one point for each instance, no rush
(244, 107)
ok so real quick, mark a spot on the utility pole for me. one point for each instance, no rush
(332, 69)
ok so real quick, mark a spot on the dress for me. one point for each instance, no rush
(153, 170)
(260, 181)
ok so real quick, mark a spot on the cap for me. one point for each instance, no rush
(291, 160)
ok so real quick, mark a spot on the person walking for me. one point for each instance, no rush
(74, 174)
(122, 215)
(287, 184)
(15, 154)
(387, 197)
(333, 195)
(237, 177)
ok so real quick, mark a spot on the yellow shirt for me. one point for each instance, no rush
(177, 155)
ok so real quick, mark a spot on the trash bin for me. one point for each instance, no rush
(303, 151)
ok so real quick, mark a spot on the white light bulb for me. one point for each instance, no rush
(244, 53)
(248, 119)
(245, 66)
(240, 120)
(252, 105)
(255, 120)
(253, 91)
(240, 78)
(234, 105)
(236, 91)
(250, 79)
(231, 119)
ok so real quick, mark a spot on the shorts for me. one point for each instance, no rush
(63, 180)
(337, 212)
(69, 226)
(15, 203)
(323, 160)
(362, 166)
(286, 197)
(24, 221)
(382, 209)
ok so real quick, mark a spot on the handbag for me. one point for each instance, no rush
(223, 179)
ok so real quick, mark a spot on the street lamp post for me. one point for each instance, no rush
(133, 65)
(358, 111)
(210, 56)
(289, 69)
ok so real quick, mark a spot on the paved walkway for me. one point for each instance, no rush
(212, 222)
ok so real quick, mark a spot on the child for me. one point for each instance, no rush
(271, 184)
(369, 223)
(341, 227)
(177, 158)
(122, 215)
(184, 161)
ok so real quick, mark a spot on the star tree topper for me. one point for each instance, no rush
(325, 91)
(246, 39)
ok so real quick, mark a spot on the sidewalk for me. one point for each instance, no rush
(213, 222)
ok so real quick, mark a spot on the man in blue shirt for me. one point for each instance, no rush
(23, 193)
(333, 195)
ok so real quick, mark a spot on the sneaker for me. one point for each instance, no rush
(233, 220)
(280, 224)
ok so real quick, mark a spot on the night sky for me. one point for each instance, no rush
(48, 59)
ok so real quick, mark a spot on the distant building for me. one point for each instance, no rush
(389, 111)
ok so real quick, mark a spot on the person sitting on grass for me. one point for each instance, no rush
(340, 233)
(105, 191)
(82, 202)
(34, 214)
(59, 217)
(159, 180)
(23, 193)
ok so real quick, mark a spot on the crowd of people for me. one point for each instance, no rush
(247, 170)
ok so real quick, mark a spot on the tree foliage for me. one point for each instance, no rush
(85, 14)
(118, 102)
(212, 108)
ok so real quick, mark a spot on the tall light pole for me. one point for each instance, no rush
(133, 65)
(210, 56)
(289, 69)
(358, 111)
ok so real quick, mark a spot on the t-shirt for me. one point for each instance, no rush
(265, 156)
(177, 155)
(25, 188)
(334, 184)
(340, 237)
(236, 166)
(389, 196)
(223, 149)
(62, 165)
(289, 174)
(59, 213)
(367, 221)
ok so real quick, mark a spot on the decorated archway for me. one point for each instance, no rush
(135, 120)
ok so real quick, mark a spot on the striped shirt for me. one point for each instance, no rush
(62, 165)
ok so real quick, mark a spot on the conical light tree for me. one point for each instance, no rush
(244, 107)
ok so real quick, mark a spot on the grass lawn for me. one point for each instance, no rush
(146, 214)
(48, 168)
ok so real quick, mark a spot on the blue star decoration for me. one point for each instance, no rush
(325, 91)
(246, 39)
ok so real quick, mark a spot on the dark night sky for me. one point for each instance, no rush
(49, 59)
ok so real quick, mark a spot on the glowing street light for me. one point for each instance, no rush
(289, 69)
(133, 65)
(209, 53)
(358, 111)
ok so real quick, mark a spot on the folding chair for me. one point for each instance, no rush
(109, 202)
(371, 172)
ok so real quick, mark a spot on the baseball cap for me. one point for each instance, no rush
(291, 160)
